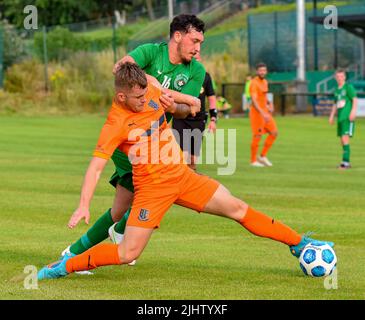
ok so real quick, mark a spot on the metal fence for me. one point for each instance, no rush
(233, 92)
(272, 39)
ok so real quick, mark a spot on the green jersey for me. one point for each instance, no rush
(343, 99)
(185, 78)
(153, 58)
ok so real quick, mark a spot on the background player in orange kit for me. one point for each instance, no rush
(137, 125)
(261, 117)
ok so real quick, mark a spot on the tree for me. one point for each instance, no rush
(51, 12)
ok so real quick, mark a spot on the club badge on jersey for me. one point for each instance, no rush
(180, 80)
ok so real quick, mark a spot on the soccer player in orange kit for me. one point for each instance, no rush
(136, 125)
(262, 121)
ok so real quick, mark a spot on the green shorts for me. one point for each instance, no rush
(123, 171)
(345, 128)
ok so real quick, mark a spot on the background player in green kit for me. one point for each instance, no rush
(174, 66)
(346, 107)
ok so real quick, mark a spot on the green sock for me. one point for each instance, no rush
(120, 226)
(346, 153)
(97, 233)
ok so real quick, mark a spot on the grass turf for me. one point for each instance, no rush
(192, 256)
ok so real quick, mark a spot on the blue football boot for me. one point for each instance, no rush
(55, 270)
(296, 250)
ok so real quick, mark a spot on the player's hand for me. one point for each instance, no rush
(212, 127)
(271, 108)
(266, 117)
(79, 214)
(195, 106)
(117, 66)
(330, 120)
(352, 116)
(167, 102)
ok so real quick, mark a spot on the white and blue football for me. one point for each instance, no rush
(318, 259)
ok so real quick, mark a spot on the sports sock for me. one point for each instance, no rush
(346, 153)
(254, 148)
(264, 226)
(268, 143)
(103, 254)
(97, 233)
(120, 226)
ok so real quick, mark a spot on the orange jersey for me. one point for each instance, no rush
(145, 137)
(258, 90)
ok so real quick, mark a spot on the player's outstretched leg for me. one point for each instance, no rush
(224, 204)
(135, 240)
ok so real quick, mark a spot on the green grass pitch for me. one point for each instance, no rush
(192, 256)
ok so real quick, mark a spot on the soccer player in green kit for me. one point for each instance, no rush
(174, 66)
(346, 107)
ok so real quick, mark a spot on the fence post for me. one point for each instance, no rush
(45, 57)
(1, 57)
(283, 103)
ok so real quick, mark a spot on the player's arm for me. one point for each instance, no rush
(143, 55)
(112, 135)
(192, 88)
(255, 104)
(257, 107)
(125, 59)
(353, 98)
(185, 104)
(182, 104)
(270, 106)
(213, 113)
(333, 113)
(91, 179)
(212, 102)
(353, 110)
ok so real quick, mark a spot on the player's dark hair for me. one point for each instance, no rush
(128, 76)
(261, 65)
(185, 22)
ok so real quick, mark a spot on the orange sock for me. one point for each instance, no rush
(99, 255)
(254, 147)
(264, 226)
(268, 143)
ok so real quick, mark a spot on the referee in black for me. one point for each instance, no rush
(191, 129)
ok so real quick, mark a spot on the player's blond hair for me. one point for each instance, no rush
(128, 76)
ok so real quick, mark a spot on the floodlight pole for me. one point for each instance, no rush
(301, 81)
(171, 9)
(301, 40)
(315, 37)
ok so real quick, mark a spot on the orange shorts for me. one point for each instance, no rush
(151, 202)
(259, 126)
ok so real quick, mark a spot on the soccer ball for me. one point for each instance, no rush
(317, 259)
